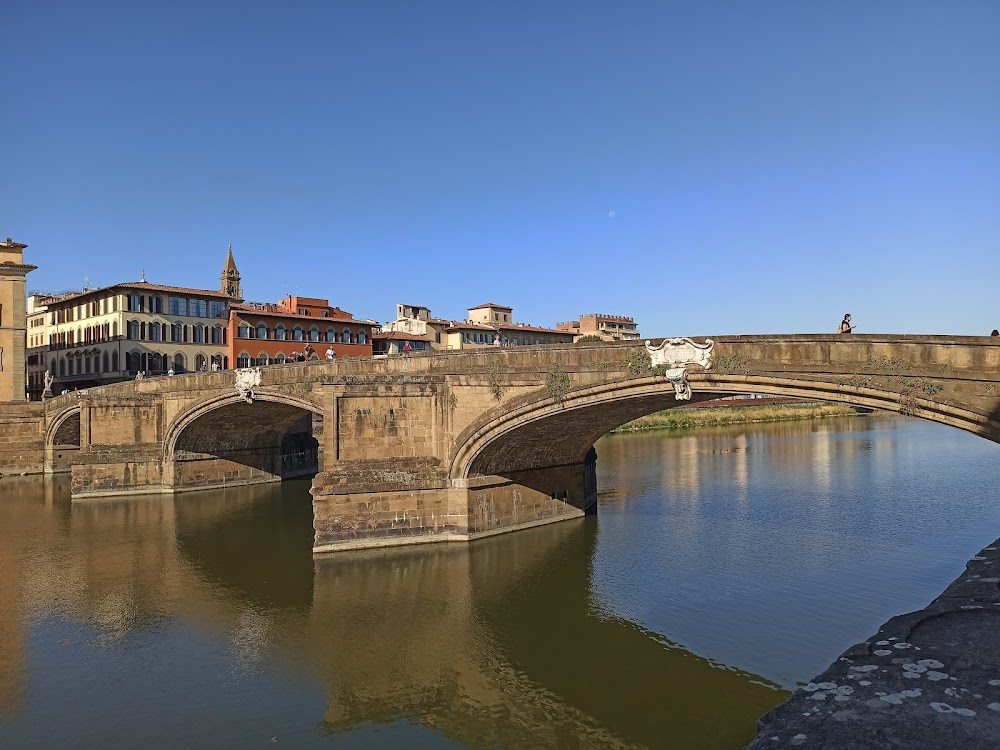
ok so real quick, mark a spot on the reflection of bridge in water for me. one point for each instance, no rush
(460, 445)
(491, 645)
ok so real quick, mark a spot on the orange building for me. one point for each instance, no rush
(265, 334)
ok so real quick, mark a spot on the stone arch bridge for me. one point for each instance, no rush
(455, 445)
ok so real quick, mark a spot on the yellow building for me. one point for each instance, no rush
(13, 341)
(110, 334)
(491, 324)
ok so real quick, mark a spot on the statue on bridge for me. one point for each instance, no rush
(49, 380)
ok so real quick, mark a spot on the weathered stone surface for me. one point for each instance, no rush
(928, 679)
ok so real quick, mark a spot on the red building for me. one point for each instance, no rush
(264, 334)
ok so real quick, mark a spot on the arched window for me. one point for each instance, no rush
(217, 337)
(154, 332)
(362, 338)
(331, 336)
(279, 358)
(62, 367)
(133, 360)
(314, 334)
(198, 334)
(105, 362)
(177, 332)
(261, 331)
(297, 333)
(345, 337)
(243, 331)
(52, 367)
(135, 303)
(155, 304)
(180, 363)
(279, 333)
(133, 330)
(114, 361)
(114, 329)
(261, 359)
(243, 360)
(200, 363)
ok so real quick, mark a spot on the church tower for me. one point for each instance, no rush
(13, 320)
(231, 278)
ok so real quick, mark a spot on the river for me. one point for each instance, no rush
(724, 567)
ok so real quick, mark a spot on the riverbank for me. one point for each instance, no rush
(928, 679)
(676, 419)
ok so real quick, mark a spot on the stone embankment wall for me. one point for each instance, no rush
(22, 438)
(929, 679)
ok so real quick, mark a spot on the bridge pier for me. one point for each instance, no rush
(387, 504)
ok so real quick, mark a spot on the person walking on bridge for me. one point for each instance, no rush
(845, 325)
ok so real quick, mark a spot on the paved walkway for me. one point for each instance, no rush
(928, 679)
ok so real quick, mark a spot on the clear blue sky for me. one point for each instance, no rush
(771, 164)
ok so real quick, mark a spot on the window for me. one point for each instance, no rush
(135, 303)
(198, 335)
(154, 332)
(178, 306)
(62, 368)
(134, 361)
(261, 360)
(515, 341)
(216, 309)
(114, 361)
(243, 332)
(362, 338)
(314, 334)
(105, 362)
(331, 336)
(133, 330)
(279, 358)
(280, 333)
(243, 360)
(297, 333)
(180, 363)
(262, 331)
(197, 308)
(156, 304)
(345, 336)
(200, 363)
(177, 332)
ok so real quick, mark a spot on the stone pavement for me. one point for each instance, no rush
(928, 679)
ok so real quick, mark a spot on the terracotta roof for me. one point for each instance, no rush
(504, 327)
(243, 309)
(491, 304)
(399, 336)
(144, 286)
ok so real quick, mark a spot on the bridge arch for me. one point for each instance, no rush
(64, 428)
(536, 431)
(265, 403)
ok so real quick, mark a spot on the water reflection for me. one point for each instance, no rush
(203, 618)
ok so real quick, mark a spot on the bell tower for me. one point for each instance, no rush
(13, 320)
(231, 278)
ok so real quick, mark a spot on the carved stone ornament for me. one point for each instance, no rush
(678, 377)
(247, 379)
(681, 352)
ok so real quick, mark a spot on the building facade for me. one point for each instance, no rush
(13, 336)
(492, 325)
(418, 321)
(109, 334)
(266, 333)
(608, 327)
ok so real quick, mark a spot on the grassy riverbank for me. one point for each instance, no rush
(675, 419)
